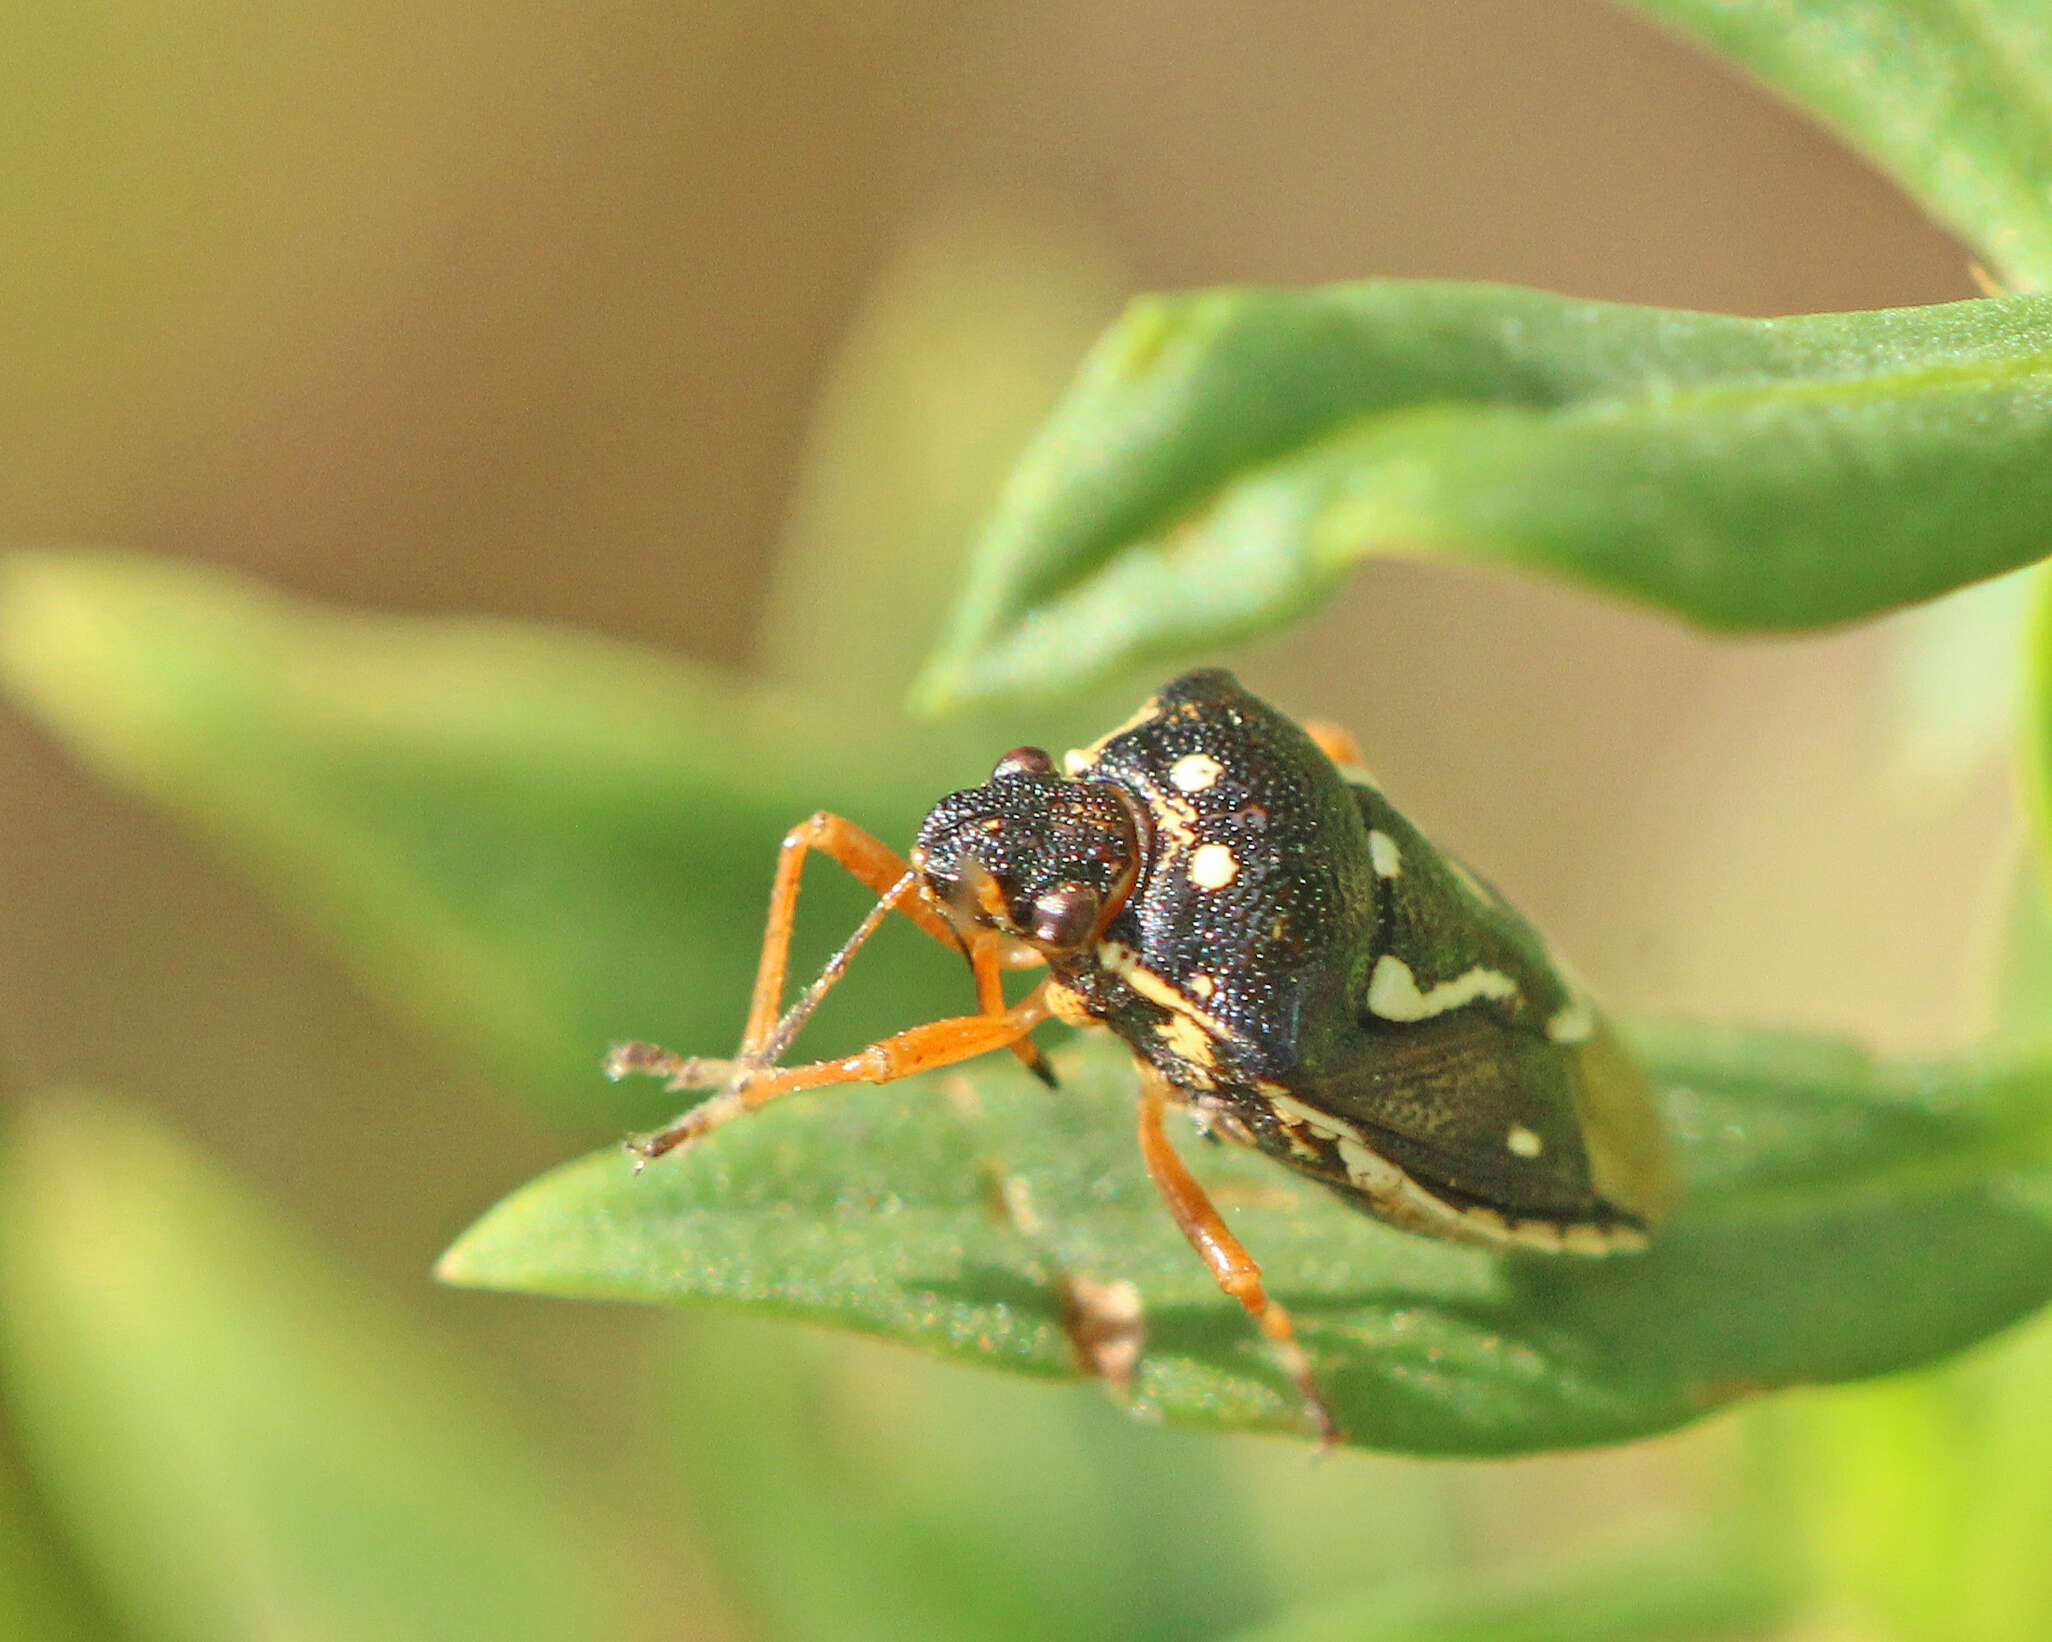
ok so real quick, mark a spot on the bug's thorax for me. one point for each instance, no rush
(1043, 861)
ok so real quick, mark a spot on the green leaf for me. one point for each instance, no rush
(1920, 1503)
(1844, 1217)
(1226, 457)
(1656, 1594)
(237, 1440)
(533, 842)
(1952, 98)
(43, 1594)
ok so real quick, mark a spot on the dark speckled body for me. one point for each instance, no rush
(1315, 979)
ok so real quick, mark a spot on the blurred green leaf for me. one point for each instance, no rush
(1952, 98)
(239, 1442)
(790, 1438)
(1844, 1217)
(1924, 1503)
(1225, 457)
(964, 340)
(535, 842)
(1650, 1595)
(43, 1595)
(2021, 1012)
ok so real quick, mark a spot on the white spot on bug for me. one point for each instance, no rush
(1393, 990)
(1574, 1024)
(1194, 772)
(1387, 859)
(1075, 761)
(1524, 1142)
(1213, 866)
(1201, 987)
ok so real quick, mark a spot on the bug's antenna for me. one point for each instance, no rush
(786, 1029)
(731, 1077)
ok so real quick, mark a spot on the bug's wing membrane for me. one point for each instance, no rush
(1473, 1109)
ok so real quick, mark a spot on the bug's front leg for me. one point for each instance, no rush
(1233, 1267)
(881, 870)
(917, 1049)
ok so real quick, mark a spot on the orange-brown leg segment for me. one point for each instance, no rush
(990, 999)
(1230, 1263)
(917, 1049)
(879, 868)
(1336, 743)
(872, 862)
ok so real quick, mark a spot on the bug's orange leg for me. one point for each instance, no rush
(917, 1049)
(1230, 1263)
(1336, 742)
(990, 998)
(870, 861)
(878, 867)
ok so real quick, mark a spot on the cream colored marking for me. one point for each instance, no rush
(1201, 986)
(1294, 1112)
(1125, 963)
(1174, 819)
(1373, 1174)
(1393, 990)
(1523, 1141)
(1576, 1023)
(1403, 1202)
(1388, 860)
(1188, 1039)
(1213, 866)
(1193, 772)
(1076, 760)
(1067, 1007)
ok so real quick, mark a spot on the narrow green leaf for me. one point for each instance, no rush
(43, 1594)
(1952, 98)
(1818, 1180)
(1225, 457)
(534, 842)
(238, 1441)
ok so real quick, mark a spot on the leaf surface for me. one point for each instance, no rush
(1226, 457)
(1817, 1180)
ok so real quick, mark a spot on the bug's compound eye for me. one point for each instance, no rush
(1065, 916)
(1023, 761)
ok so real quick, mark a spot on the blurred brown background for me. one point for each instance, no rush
(525, 309)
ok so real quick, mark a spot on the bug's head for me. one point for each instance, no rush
(1032, 855)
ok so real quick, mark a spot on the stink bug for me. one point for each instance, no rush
(1286, 956)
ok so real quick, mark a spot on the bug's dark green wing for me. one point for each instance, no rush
(1465, 1056)
(1488, 1119)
